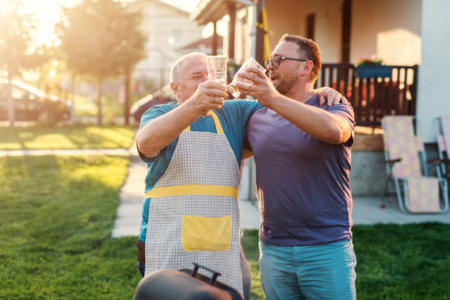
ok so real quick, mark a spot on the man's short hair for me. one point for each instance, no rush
(307, 49)
(177, 64)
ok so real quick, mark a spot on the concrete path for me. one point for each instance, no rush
(367, 211)
(129, 212)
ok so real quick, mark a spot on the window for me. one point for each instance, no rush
(176, 36)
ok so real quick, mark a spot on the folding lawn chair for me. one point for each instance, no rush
(442, 127)
(401, 148)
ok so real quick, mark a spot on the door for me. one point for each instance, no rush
(346, 27)
(310, 26)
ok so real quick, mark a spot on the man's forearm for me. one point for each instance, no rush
(314, 121)
(165, 129)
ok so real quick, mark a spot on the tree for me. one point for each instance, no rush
(101, 38)
(18, 51)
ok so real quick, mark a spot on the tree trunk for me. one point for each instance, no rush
(99, 115)
(127, 98)
(11, 116)
(72, 100)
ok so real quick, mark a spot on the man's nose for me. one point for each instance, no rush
(270, 66)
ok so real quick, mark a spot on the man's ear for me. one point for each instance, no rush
(307, 68)
(174, 88)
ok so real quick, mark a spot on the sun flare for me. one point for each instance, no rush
(48, 13)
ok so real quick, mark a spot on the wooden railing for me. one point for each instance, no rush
(373, 98)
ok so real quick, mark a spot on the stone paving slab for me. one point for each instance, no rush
(129, 212)
(249, 215)
(367, 211)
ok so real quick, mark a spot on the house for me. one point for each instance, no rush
(168, 28)
(413, 36)
(204, 46)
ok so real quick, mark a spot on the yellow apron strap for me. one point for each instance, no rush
(192, 189)
(219, 128)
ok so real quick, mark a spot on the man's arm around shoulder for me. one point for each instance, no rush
(325, 126)
(322, 125)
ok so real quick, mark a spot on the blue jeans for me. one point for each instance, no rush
(308, 272)
(141, 268)
(245, 269)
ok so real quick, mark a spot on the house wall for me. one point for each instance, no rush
(434, 71)
(327, 27)
(283, 16)
(168, 29)
(388, 29)
(293, 21)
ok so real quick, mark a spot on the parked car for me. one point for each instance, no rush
(32, 104)
(161, 96)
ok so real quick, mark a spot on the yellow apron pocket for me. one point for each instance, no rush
(207, 234)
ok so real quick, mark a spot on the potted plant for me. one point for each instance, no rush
(372, 68)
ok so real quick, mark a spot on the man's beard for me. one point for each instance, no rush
(284, 86)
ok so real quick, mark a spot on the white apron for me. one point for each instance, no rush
(194, 214)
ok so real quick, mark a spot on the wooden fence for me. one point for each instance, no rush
(373, 98)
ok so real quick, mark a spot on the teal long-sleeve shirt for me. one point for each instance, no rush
(233, 116)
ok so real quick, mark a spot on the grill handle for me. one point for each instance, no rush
(213, 277)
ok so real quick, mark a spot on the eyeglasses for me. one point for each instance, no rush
(276, 61)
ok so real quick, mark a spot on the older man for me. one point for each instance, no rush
(190, 212)
(302, 151)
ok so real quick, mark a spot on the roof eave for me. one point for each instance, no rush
(214, 10)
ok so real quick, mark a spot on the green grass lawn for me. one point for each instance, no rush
(66, 137)
(57, 213)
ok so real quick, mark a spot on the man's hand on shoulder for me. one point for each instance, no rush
(330, 96)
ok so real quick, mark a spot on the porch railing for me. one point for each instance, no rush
(373, 98)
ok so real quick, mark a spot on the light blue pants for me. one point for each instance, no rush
(308, 272)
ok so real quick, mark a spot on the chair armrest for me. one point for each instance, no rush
(438, 161)
(393, 161)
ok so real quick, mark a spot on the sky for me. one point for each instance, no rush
(47, 11)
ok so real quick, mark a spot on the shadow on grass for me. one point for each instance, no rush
(75, 137)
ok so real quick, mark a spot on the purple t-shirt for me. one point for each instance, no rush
(303, 184)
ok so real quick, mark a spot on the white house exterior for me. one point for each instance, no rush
(168, 28)
(401, 32)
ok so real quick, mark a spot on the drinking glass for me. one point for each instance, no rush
(249, 63)
(217, 68)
